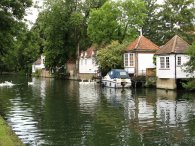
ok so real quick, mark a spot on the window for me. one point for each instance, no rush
(164, 63)
(81, 61)
(131, 59)
(167, 62)
(179, 60)
(85, 61)
(126, 59)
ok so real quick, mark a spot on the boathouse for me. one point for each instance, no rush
(139, 56)
(170, 63)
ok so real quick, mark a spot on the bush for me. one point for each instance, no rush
(37, 73)
(190, 85)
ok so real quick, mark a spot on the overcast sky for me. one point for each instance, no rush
(32, 12)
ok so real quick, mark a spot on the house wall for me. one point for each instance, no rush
(87, 65)
(39, 66)
(170, 73)
(166, 83)
(145, 60)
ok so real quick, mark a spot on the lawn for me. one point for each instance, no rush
(7, 136)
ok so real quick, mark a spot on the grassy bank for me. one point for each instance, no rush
(7, 136)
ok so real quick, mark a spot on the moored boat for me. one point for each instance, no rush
(117, 78)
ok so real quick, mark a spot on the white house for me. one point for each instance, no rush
(139, 56)
(38, 64)
(88, 67)
(170, 63)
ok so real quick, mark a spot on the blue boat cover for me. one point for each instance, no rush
(118, 73)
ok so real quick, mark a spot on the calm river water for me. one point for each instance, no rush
(62, 113)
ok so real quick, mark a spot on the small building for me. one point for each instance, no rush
(38, 64)
(139, 56)
(170, 63)
(88, 67)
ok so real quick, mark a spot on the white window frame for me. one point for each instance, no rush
(126, 59)
(164, 62)
(129, 60)
(81, 61)
(178, 60)
(85, 61)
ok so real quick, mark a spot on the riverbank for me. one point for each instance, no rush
(7, 136)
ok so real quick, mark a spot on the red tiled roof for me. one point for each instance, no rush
(142, 44)
(174, 45)
(89, 52)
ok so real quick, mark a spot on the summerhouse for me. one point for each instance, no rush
(139, 56)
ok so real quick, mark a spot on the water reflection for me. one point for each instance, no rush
(55, 112)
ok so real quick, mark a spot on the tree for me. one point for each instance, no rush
(63, 29)
(170, 18)
(151, 23)
(11, 14)
(111, 56)
(116, 21)
(191, 63)
(24, 51)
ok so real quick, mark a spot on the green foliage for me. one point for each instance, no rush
(190, 85)
(111, 56)
(23, 53)
(11, 14)
(150, 82)
(168, 19)
(116, 21)
(62, 27)
(190, 65)
(37, 73)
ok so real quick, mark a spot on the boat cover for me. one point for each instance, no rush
(118, 73)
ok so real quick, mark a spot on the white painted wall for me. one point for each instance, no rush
(145, 60)
(170, 73)
(40, 66)
(87, 65)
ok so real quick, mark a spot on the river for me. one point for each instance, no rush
(53, 112)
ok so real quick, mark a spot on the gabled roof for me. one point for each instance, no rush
(175, 45)
(37, 62)
(142, 44)
(90, 52)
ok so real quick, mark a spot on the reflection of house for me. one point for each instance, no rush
(139, 56)
(87, 64)
(170, 61)
(38, 64)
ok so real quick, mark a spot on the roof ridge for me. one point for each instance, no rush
(174, 44)
(138, 42)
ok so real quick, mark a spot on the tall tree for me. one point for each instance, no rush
(169, 18)
(11, 12)
(111, 56)
(116, 21)
(64, 28)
